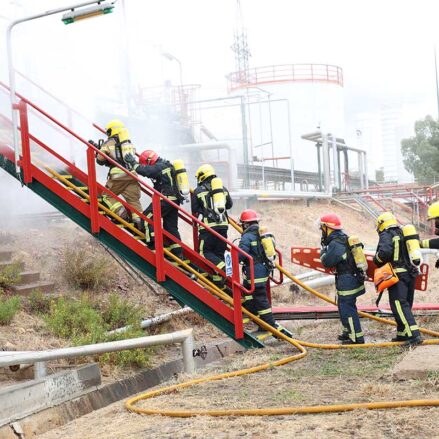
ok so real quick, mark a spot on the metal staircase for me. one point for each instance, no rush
(73, 189)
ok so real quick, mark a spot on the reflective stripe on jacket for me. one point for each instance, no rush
(337, 255)
(251, 244)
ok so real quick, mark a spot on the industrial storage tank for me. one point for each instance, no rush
(285, 102)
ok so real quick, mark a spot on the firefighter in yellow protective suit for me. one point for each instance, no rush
(118, 146)
(433, 214)
(203, 206)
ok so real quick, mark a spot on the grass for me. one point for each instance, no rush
(38, 303)
(353, 362)
(8, 309)
(289, 395)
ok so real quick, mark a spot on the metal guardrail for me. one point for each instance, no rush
(38, 358)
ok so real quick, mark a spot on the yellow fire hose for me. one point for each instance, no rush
(131, 403)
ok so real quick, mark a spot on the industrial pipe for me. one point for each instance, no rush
(267, 195)
(153, 321)
(320, 282)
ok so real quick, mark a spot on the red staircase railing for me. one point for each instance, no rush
(34, 169)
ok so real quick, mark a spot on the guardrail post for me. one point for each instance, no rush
(40, 369)
(237, 311)
(25, 144)
(93, 191)
(158, 238)
(188, 358)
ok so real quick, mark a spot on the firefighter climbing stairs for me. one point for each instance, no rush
(76, 193)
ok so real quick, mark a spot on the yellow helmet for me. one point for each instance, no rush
(433, 211)
(203, 172)
(386, 220)
(114, 127)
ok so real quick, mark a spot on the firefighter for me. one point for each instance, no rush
(349, 280)
(391, 248)
(118, 146)
(202, 201)
(257, 303)
(433, 214)
(161, 172)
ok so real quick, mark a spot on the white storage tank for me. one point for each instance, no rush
(288, 101)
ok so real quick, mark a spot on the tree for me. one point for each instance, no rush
(421, 152)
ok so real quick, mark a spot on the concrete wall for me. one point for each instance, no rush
(23, 399)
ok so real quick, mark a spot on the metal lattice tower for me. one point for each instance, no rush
(240, 45)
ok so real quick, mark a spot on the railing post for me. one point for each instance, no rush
(237, 311)
(25, 144)
(93, 191)
(195, 236)
(40, 369)
(158, 238)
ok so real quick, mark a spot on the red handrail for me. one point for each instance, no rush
(26, 164)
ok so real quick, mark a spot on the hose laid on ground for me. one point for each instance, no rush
(131, 403)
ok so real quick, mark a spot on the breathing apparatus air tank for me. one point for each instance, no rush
(356, 247)
(181, 178)
(268, 243)
(411, 239)
(218, 196)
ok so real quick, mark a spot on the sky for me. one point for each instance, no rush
(385, 47)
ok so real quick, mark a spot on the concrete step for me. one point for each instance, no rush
(5, 255)
(4, 264)
(24, 290)
(28, 277)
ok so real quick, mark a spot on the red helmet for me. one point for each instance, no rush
(331, 220)
(248, 216)
(148, 157)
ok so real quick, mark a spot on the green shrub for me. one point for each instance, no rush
(83, 323)
(120, 312)
(132, 357)
(38, 303)
(86, 269)
(8, 309)
(10, 275)
(70, 318)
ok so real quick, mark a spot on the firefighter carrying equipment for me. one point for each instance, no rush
(119, 147)
(269, 245)
(385, 221)
(181, 178)
(356, 247)
(203, 172)
(411, 239)
(218, 196)
(384, 277)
